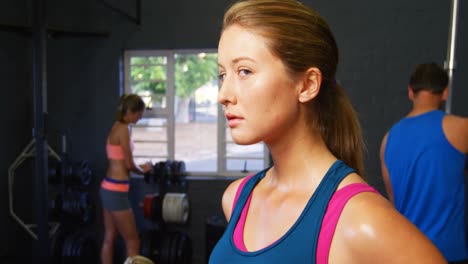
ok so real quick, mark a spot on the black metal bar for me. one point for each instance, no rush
(39, 71)
(136, 20)
(58, 33)
(138, 12)
(21, 30)
(54, 33)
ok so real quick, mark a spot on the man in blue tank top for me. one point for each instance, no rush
(423, 162)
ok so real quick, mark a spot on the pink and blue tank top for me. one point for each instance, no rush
(307, 241)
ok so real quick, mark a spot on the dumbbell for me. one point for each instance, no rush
(171, 208)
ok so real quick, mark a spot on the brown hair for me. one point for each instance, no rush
(302, 39)
(129, 102)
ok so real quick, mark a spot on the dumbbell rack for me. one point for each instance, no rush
(165, 211)
(171, 200)
(68, 244)
(28, 152)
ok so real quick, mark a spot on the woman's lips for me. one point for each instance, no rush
(233, 120)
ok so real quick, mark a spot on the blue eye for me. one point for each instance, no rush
(244, 72)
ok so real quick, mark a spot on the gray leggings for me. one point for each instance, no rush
(113, 200)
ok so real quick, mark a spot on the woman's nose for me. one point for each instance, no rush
(226, 93)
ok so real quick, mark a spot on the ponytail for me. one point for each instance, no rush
(129, 102)
(120, 108)
(339, 126)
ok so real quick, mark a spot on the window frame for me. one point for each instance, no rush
(168, 114)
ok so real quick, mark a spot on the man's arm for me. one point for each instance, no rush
(456, 131)
(383, 168)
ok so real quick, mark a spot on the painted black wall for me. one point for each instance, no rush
(16, 104)
(380, 43)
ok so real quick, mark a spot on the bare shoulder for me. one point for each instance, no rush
(117, 129)
(121, 131)
(456, 120)
(370, 228)
(228, 197)
(120, 127)
(456, 130)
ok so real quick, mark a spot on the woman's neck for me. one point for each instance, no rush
(300, 159)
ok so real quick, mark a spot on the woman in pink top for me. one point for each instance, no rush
(117, 212)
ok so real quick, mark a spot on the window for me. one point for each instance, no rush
(184, 120)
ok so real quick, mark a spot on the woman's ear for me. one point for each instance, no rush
(311, 85)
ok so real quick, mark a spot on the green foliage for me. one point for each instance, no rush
(191, 72)
(148, 74)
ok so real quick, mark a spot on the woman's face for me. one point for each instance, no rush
(134, 117)
(259, 97)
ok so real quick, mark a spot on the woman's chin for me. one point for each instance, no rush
(240, 140)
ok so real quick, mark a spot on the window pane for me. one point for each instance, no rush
(150, 140)
(244, 157)
(144, 60)
(245, 165)
(148, 79)
(196, 114)
(196, 145)
(244, 151)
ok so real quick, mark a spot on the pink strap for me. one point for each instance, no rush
(330, 220)
(238, 235)
(239, 189)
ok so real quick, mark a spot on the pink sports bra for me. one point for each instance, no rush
(116, 152)
(330, 220)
